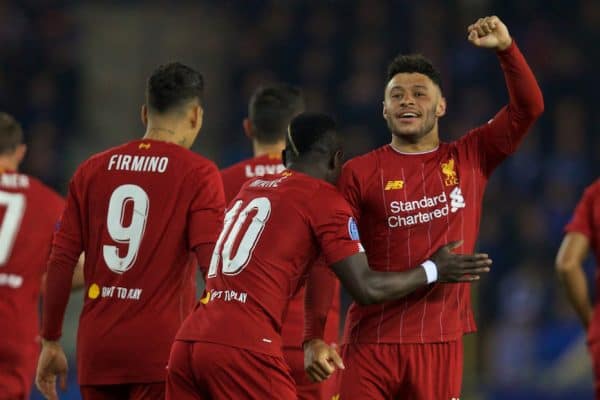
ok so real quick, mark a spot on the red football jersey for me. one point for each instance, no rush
(273, 232)
(293, 325)
(586, 220)
(138, 211)
(408, 205)
(238, 174)
(29, 212)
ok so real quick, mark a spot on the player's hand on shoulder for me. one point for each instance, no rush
(489, 32)
(320, 360)
(51, 364)
(453, 267)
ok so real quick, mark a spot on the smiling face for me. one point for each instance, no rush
(412, 106)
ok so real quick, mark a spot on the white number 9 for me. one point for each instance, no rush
(132, 234)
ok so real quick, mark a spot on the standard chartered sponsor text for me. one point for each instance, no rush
(424, 210)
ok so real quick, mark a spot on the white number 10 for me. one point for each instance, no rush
(223, 252)
(132, 234)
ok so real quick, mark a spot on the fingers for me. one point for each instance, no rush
(336, 359)
(469, 265)
(47, 386)
(320, 370)
(63, 381)
(324, 365)
(482, 27)
(467, 278)
(315, 375)
(473, 37)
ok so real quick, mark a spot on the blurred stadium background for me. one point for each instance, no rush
(73, 73)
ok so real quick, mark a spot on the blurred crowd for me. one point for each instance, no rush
(530, 344)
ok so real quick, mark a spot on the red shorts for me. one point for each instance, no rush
(126, 391)
(406, 371)
(595, 354)
(199, 371)
(17, 373)
(306, 389)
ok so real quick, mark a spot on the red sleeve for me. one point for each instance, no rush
(335, 227)
(582, 220)
(348, 185)
(317, 300)
(66, 249)
(55, 207)
(206, 213)
(502, 135)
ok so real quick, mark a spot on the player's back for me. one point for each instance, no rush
(269, 240)
(29, 212)
(135, 206)
(234, 178)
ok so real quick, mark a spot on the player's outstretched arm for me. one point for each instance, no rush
(503, 134)
(569, 266)
(367, 286)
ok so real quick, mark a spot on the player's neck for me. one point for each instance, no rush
(156, 132)
(8, 164)
(429, 142)
(262, 149)
(308, 167)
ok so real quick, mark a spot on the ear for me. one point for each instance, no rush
(385, 111)
(20, 153)
(197, 117)
(144, 115)
(440, 110)
(248, 128)
(336, 160)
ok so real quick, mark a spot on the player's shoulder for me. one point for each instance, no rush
(236, 169)
(368, 160)
(197, 161)
(100, 157)
(320, 192)
(593, 189)
(40, 192)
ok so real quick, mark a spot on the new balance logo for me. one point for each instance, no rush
(144, 146)
(394, 185)
(456, 200)
(336, 397)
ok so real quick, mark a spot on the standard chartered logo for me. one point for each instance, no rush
(425, 209)
(456, 200)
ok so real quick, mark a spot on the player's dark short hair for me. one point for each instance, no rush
(11, 133)
(172, 85)
(271, 108)
(411, 63)
(310, 132)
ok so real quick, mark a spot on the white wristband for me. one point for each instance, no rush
(430, 270)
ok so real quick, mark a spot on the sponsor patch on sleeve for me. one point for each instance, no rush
(353, 229)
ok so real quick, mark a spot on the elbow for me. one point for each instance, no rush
(565, 267)
(365, 297)
(538, 108)
(370, 295)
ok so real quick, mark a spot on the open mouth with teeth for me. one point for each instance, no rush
(408, 115)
